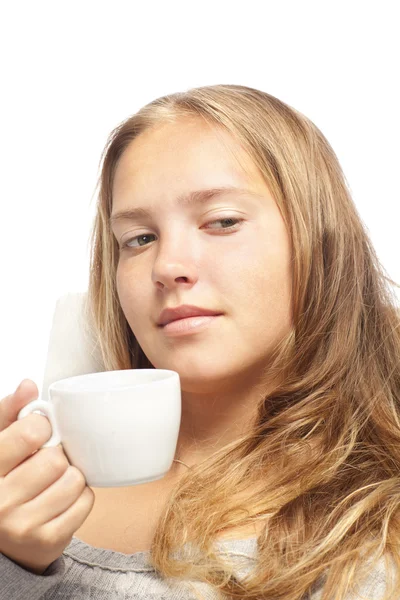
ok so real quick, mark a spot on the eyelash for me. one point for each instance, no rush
(125, 244)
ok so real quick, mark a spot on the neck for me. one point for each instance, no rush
(210, 421)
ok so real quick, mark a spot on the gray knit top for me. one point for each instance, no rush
(84, 572)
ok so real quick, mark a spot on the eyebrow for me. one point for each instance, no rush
(185, 200)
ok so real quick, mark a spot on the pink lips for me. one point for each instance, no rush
(188, 325)
(185, 312)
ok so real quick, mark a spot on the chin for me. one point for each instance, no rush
(206, 382)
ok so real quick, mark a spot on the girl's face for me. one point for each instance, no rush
(228, 252)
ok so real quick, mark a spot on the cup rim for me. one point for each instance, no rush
(62, 385)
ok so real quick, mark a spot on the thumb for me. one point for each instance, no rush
(13, 403)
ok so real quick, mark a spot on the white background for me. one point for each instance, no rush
(71, 71)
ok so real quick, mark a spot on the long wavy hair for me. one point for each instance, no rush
(319, 473)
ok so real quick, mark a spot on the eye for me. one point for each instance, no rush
(228, 220)
(143, 236)
(143, 239)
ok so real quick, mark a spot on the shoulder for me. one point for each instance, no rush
(378, 580)
(373, 583)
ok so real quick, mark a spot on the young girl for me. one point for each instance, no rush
(226, 247)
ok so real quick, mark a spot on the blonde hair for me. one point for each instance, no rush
(319, 472)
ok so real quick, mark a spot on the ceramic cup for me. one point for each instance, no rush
(119, 428)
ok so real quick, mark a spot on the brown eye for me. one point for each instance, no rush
(141, 238)
(230, 223)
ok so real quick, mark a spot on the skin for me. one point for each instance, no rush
(189, 258)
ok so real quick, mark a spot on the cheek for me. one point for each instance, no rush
(266, 280)
(131, 294)
(276, 297)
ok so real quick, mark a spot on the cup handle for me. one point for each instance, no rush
(46, 409)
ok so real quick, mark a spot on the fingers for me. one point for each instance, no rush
(28, 533)
(71, 520)
(20, 439)
(43, 499)
(13, 403)
(53, 501)
(32, 477)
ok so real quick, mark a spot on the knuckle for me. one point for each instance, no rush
(55, 461)
(4, 509)
(89, 493)
(5, 505)
(46, 538)
(85, 503)
(21, 532)
(52, 535)
(76, 476)
(32, 434)
(4, 499)
(88, 498)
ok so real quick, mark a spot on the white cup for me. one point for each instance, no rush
(119, 428)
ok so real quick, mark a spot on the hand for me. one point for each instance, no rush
(43, 499)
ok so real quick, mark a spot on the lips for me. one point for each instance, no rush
(183, 312)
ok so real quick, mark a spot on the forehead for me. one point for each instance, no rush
(174, 158)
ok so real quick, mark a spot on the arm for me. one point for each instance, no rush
(17, 583)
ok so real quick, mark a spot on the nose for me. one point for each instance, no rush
(175, 264)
